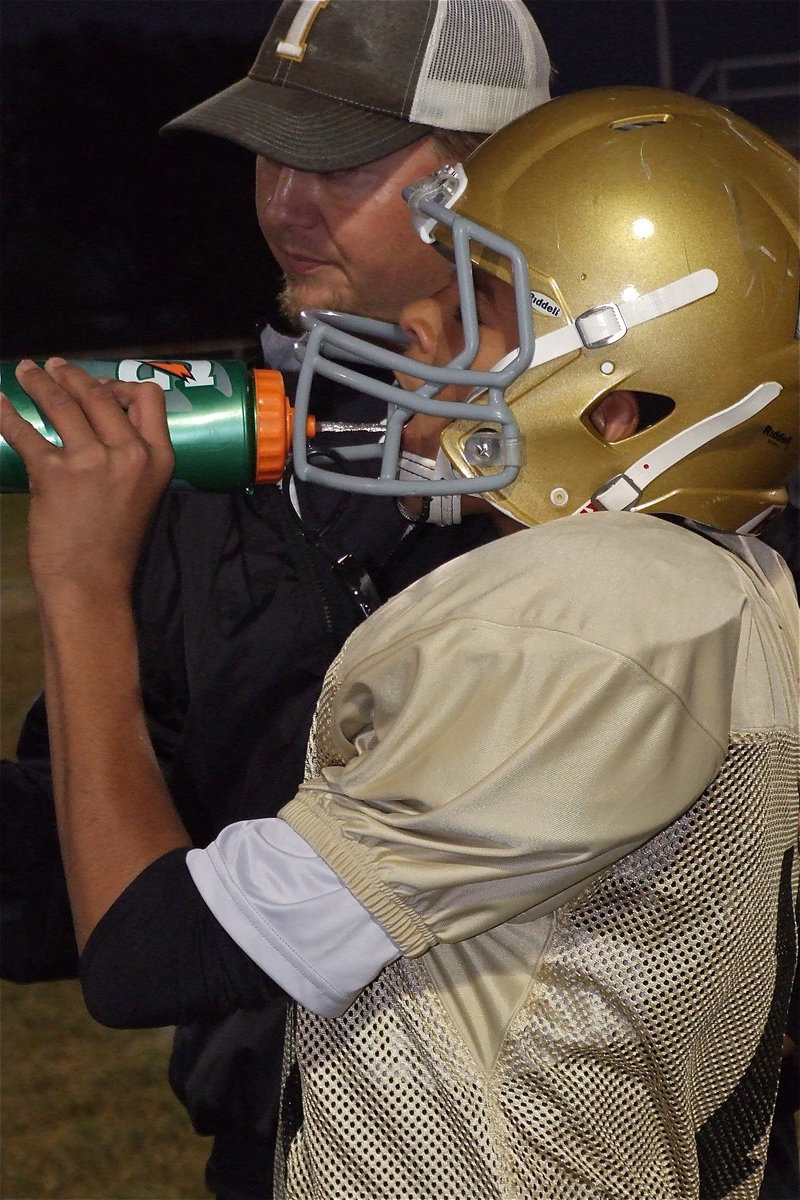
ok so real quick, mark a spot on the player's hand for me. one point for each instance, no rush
(92, 497)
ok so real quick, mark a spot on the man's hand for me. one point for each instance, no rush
(93, 496)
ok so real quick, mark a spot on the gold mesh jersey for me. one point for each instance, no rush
(562, 772)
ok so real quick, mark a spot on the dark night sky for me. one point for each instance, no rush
(592, 42)
(111, 235)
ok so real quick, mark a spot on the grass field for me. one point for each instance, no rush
(86, 1112)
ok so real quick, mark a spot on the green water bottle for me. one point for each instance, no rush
(230, 426)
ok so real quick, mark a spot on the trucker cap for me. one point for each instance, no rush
(340, 83)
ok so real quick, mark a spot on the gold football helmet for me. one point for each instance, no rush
(651, 240)
(661, 238)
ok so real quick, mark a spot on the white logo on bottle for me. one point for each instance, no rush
(190, 372)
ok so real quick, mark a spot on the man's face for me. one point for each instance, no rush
(345, 240)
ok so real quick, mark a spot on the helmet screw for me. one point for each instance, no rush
(484, 449)
(607, 368)
(559, 497)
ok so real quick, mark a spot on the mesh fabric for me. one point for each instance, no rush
(641, 1063)
(484, 65)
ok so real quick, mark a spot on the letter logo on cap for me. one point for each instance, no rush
(295, 45)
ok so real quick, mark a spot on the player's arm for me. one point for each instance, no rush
(153, 953)
(162, 955)
(91, 502)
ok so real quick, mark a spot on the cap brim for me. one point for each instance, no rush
(297, 128)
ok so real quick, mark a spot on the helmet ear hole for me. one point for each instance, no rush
(653, 408)
(619, 414)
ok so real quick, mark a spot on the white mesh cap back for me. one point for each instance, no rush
(486, 64)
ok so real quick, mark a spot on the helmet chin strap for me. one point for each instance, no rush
(605, 324)
(624, 491)
(437, 510)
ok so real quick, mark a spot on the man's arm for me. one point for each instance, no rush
(37, 937)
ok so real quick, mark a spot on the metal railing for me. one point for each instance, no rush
(715, 81)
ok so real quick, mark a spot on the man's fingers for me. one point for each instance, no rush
(97, 422)
(116, 410)
(83, 409)
(80, 408)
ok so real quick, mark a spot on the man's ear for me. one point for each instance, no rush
(616, 417)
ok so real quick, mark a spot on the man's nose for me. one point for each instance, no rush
(287, 198)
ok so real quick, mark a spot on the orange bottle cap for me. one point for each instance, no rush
(274, 425)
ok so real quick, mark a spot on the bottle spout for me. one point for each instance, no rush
(275, 426)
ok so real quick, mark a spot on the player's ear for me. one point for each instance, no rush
(616, 417)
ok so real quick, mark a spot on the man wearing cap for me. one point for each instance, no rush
(247, 599)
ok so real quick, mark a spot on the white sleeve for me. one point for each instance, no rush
(285, 907)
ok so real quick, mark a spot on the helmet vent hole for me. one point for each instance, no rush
(642, 122)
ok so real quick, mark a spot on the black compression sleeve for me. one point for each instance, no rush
(159, 956)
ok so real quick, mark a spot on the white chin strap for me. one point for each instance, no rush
(624, 491)
(605, 324)
(441, 510)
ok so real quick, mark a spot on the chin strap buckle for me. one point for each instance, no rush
(601, 326)
(619, 494)
(436, 510)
